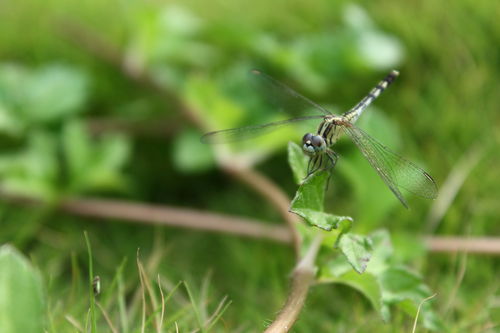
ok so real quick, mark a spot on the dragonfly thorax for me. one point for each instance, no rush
(330, 129)
(313, 145)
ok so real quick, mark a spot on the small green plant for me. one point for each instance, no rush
(381, 281)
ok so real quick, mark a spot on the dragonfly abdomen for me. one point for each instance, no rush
(353, 114)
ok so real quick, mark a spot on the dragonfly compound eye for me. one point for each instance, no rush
(317, 141)
(306, 140)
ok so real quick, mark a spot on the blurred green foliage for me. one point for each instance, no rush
(31, 98)
(22, 295)
(79, 82)
(383, 283)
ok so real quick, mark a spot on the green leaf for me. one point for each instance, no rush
(33, 171)
(55, 91)
(111, 154)
(21, 301)
(54, 164)
(357, 249)
(382, 253)
(400, 285)
(78, 150)
(308, 203)
(94, 164)
(366, 283)
(48, 94)
(387, 284)
(399, 282)
(171, 35)
(298, 162)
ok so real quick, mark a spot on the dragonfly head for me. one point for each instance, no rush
(313, 145)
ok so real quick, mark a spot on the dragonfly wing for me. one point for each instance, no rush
(283, 97)
(394, 169)
(249, 132)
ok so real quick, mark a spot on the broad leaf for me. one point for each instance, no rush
(357, 249)
(34, 97)
(298, 162)
(406, 289)
(308, 203)
(400, 285)
(366, 283)
(94, 164)
(34, 170)
(21, 302)
(383, 283)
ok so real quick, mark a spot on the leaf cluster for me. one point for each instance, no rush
(382, 281)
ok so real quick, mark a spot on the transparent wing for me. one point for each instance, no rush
(249, 132)
(394, 169)
(284, 98)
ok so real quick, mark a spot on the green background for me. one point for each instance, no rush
(108, 99)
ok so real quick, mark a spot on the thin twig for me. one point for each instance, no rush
(477, 245)
(164, 215)
(185, 218)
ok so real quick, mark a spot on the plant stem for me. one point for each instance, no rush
(302, 277)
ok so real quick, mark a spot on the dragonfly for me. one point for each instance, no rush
(395, 170)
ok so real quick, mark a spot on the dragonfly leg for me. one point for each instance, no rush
(333, 158)
(309, 166)
(314, 164)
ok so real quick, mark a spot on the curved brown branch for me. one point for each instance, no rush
(302, 278)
